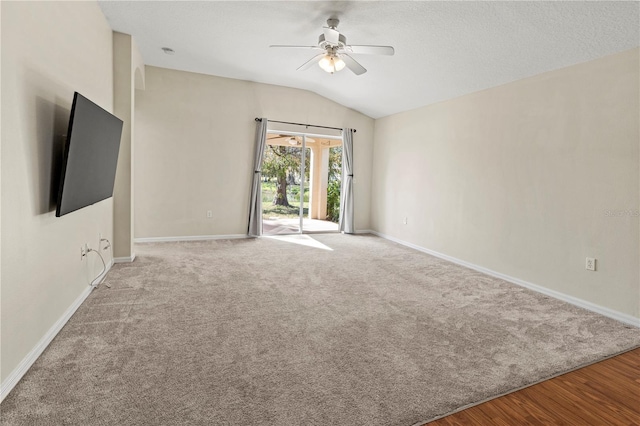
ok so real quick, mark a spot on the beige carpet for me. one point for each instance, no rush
(268, 332)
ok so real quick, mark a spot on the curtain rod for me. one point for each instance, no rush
(302, 124)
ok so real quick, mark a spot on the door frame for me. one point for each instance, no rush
(304, 136)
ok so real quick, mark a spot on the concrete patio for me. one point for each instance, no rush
(292, 226)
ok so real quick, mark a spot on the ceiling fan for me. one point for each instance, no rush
(335, 51)
(291, 140)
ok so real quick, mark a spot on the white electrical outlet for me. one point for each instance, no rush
(84, 250)
(209, 214)
(590, 264)
(404, 221)
(99, 240)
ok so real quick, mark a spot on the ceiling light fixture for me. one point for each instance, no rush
(331, 63)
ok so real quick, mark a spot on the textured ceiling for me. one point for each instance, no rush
(443, 49)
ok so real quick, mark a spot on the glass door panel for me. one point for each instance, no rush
(324, 181)
(282, 166)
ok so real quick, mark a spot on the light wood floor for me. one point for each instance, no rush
(606, 393)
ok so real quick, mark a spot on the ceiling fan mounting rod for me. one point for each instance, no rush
(333, 23)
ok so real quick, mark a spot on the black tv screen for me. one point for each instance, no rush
(90, 156)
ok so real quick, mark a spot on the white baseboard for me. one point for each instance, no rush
(365, 231)
(26, 363)
(33, 355)
(619, 316)
(127, 259)
(189, 238)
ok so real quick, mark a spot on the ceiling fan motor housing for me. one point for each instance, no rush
(342, 42)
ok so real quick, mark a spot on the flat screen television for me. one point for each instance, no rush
(90, 156)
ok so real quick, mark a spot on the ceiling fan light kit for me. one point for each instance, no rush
(336, 51)
(331, 63)
(287, 139)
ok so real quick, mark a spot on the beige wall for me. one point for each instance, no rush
(519, 178)
(194, 149)
(49, 50)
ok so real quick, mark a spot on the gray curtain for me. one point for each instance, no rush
(346, 193)
(255, 206)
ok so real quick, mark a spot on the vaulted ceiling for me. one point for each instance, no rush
(442, 49)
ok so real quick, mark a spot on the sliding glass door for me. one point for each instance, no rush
(300, 183)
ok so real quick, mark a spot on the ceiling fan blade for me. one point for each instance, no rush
(286, 140)
(353, 65)
(371, 50)
(296, 47)
(331, 36)
(310, 62)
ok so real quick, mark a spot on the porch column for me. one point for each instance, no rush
(319, 180)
